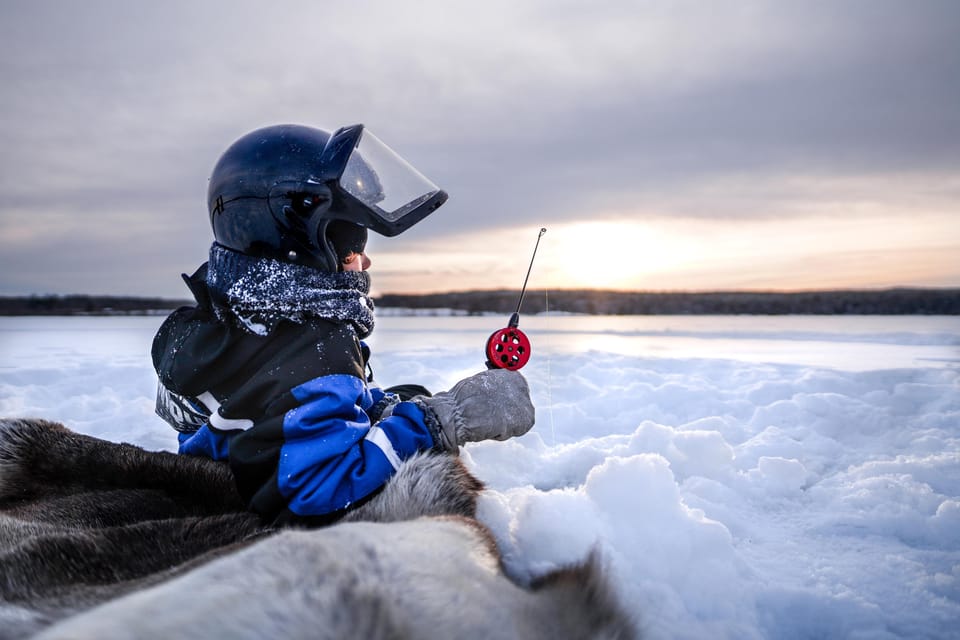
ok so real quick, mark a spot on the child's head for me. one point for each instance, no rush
(302, 195)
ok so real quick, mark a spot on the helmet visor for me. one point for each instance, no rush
(383, 181)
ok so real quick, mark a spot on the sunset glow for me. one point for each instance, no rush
(791, 254)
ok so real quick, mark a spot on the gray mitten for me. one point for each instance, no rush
(493, 404)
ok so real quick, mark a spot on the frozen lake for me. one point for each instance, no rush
(843, 342)
(743, 477)
(853, 343)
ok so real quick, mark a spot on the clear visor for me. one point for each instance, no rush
(384, 181)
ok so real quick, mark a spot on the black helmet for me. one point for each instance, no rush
(274, 192)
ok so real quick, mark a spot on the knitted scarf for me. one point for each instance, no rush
(259, 292)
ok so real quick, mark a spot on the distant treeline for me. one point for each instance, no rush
(879, 302)
(872, 302)
(85, 305)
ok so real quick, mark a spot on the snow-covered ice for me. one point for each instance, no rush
(742, 477)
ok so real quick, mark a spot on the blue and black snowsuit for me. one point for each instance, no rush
(283, 397)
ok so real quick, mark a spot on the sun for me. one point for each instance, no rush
(612, 255)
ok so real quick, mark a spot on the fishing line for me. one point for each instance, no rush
(549, 322)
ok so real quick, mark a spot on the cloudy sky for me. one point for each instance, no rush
(666, 145)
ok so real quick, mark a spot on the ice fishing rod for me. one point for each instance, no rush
(509, 348)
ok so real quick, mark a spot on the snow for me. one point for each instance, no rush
(741, 477)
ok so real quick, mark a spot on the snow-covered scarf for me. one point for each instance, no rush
(259, 292)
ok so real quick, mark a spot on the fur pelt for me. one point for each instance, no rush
(155, 544)
(425, 578)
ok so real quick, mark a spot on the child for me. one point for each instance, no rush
(268, 371)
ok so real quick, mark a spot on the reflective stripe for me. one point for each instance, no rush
(377, 436)
(217, 421)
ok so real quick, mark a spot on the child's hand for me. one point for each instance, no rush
(493, 404)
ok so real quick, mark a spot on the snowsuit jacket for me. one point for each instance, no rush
(291, 411)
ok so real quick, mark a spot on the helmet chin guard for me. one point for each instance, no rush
(274, 191)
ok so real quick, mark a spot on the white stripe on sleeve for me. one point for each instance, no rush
(217, 421)
(377, 436)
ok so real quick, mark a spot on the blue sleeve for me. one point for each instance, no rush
(205, 442)
(331, 455)
(377, 394)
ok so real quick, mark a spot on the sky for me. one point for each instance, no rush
(665, 145)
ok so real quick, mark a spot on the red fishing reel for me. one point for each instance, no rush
(508, 348)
